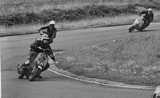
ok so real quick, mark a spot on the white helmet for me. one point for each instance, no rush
(51, 22)
(149, 9)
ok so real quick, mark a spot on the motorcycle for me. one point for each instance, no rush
(139, 24)
(38, 65)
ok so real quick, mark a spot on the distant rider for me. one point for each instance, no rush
(148, 16)
(140, 23)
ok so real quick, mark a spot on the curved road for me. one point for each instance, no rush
(15, 48)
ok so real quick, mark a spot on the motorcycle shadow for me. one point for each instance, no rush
(150, 30)
(146, 30)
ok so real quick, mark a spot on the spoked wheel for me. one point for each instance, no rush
(34, 74)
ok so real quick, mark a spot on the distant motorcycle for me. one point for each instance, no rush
(38, 65)
(139, 24)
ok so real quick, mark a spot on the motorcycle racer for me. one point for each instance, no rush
(50, 30)
(42, 44)
(148, 14)
(145, 18)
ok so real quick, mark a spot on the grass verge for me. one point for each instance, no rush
(28, 12)
(81, 24)
(132, 59)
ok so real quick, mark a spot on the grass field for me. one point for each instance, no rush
(68, 25)
(132, 59)
(40, 11)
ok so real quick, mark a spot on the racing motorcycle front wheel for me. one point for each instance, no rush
(35, 73)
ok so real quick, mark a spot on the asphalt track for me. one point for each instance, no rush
(15, 48)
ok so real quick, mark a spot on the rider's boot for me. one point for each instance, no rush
(131, 29)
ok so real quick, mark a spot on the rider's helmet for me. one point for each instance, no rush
(149, 9)
(52, 22)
